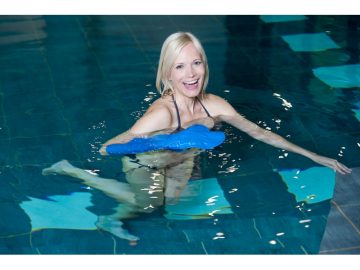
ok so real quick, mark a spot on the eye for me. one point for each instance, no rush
(180, 66)
(198, 62)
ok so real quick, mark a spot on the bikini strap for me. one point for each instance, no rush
(208, 114)
(177, 114)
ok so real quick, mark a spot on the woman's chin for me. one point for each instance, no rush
(191, 92)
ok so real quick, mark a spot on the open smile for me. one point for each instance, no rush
(191, 85)
(192, 82)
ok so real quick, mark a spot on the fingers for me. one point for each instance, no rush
(102, 151)
(341, 168)
(333, 164)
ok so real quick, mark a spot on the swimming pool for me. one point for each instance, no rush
(68, 83)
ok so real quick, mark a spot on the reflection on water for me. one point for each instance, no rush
(277, 204)
(200, 199)
(61, 212)
(154, 179)
(14, 32)
(312, 185)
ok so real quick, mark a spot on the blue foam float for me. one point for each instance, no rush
(196, 136)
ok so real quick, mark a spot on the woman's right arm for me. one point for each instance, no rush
(155, 119)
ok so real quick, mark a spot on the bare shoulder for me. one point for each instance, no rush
(214, 99)
(157, 117)
(218, 105)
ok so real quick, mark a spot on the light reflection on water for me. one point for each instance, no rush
(208, 199)
(22, 32)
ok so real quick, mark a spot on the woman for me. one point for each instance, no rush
(182, 78)
(153, 177)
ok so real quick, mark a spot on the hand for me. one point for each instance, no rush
(332, 163)
(102, 151)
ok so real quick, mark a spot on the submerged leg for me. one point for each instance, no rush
(114, 225)
(113, 188)
(146, 183)
(148, 189)
(177, 177)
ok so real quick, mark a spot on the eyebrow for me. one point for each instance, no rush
(197, 59)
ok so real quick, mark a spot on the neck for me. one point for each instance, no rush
(186, 103)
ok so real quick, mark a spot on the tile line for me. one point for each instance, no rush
(345, 216)
(339, 249)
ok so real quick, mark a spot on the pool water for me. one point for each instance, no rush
(69, 83)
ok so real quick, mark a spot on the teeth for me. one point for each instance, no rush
(192, 82)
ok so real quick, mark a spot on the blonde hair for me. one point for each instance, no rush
(170, 50)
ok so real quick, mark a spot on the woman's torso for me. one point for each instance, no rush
(203, 112)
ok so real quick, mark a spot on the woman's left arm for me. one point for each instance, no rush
(232, 117)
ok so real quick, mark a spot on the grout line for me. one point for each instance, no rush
(2, 99)
(203, 246)
(12, 235)
(35, 137)
(256, 229)
(137, 42)
(281, 243)
(216, 19)
(312, 139)
(187, 237)
(170, 18)
(30, 240)
(114, 249)
(31, 243)
(91, 49)
(303, 249)
(351, 204)
(345, 216)
(51, 77)
(339, 249)
(40, 164)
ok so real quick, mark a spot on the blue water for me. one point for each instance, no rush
(68, 83)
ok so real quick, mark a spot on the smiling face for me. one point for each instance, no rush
(188, 72)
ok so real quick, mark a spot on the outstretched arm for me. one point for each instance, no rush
(273, 139)
(229, 115)
(155, 119)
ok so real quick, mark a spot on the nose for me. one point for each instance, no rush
(190, 72)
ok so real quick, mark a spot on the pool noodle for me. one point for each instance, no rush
(196, 136)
